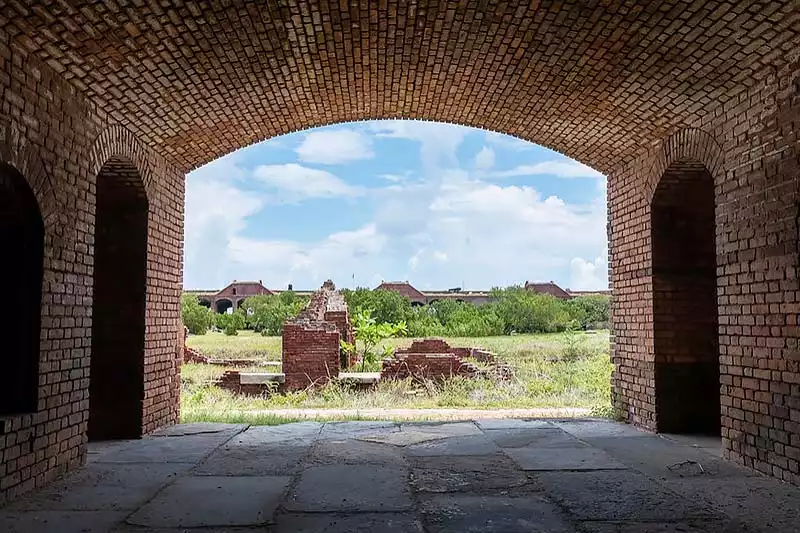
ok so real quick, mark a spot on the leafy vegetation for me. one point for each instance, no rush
(512, 310)
(196, 318)
(571, 369)
(230, 323)
(368, 335)
(267, 313)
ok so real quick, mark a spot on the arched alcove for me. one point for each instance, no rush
(21, 267)
(685, 325)
(116, 391)
(223, 305)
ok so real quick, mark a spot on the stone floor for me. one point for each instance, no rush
(486, 475)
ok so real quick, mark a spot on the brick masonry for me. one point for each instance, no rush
(435, 359)
(628, 88)
(311, 353)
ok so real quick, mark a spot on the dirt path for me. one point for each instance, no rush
(426, 414)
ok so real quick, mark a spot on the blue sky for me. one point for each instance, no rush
(435, 204)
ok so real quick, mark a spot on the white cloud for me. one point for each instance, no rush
(485, 159)
(303, 182)
(589, 275)
(562, 169)
(438, 142)
(440, 256)
(335, 147)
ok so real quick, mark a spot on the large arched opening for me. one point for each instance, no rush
(116, 391)
(222, 306)
(685, 324)
(22, 243)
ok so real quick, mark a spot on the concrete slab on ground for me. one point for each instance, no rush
(493, 473)
(356, 452)
(469, 445)
(563, 459)
(352, 523)
(460, 513)
(512, 423)
(619, 496)
(60, 521)
(351, 488)
(243, 460)
(296, 432)
(213, 501)
(534, 438)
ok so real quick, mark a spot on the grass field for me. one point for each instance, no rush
(552, 370)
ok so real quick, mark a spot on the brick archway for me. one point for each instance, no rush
(117, 375)
(684, 283)
(22, 243)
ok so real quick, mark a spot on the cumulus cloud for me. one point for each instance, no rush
(303, 182)
(589, 275)
(438, 142)
(559, 168)
(507, 141)
(485, 159)
(335, 147)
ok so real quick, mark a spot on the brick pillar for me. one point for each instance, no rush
(310, 353)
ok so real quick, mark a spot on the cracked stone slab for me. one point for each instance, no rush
(469, 445)
(338, 430)
(305, 432)
(351, 488)
(351, 451)
(188, 449)
(563, 459)
(103, 487)
(513, 423)
(600, 428)
(533, 438)
(757, 502)
(466, 473)
(664, 459)
(458, 513)
(241, 460)
(60, 521)
(446, 429)
(213, 501)
(343, 523)
(706, 526)
(620, 496)
(401, 438)
(199, 428)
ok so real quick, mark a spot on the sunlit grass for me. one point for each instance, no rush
(245, 345)
(552, 370)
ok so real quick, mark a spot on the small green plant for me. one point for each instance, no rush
(230, 323)
(369, 334)
(574, 343)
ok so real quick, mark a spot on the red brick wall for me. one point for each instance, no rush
(310, 353)
(58, 142)
(749, 146)
(429, 359)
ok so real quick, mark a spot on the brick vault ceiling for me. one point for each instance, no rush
(591, 79)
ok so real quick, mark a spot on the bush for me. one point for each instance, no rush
(388, 307)
(230, 324)
(268, 313)
(590, 311)
(195, 317)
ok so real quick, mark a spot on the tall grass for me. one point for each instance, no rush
(549, 370)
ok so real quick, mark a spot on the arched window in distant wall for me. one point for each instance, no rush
(22, 269)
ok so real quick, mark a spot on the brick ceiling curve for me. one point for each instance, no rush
(594, 80)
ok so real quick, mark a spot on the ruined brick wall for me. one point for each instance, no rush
(311, 350)
(433, 359)
(58, 142)
(749, 146)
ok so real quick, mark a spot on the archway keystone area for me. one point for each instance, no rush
(628, 88)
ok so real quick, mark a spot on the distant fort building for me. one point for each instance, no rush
(235, 293)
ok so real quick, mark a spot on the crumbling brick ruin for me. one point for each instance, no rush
(435, 359)
(311, 350)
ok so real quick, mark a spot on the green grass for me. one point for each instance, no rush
(245, 345)
(552, 370)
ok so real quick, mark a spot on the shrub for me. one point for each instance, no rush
(369, 334)
(230, 324)
(195, 317)
(268, 313)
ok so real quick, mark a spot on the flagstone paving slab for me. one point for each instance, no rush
(353, 523)
(513, 423)
(534, 438)
(248, 460)
(352, 451)
(456, 513)
(364, 488)
(213, 501)
(563, 459)
(494, 473)
(469, 445)
(60, 521)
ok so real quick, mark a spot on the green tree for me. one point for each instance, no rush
(268, 313)
(387, 307)
(591, 310)
(368, 334)
(195, 317)
(230, 323)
